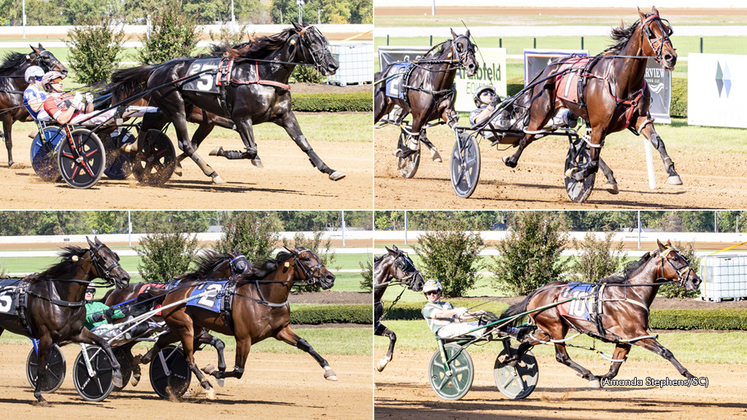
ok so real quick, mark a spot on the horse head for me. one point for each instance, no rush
(657, 32)
(315, 49)
(309, 268)
(464, 50)
(404, 269)
(106, 264)
(674, 266)
(46, 60)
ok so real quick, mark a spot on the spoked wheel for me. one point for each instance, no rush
(170, 373)
(56, 367)
(578, 157)
(126, 362)
(97, 384)
(516, 382)
(154, 163)
(44, 153)
(82, 159)
(118, 163)
(456, 382)
(465, 166)
(408, 166)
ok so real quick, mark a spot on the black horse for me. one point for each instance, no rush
(12, 85)
(428, 88)
(394, 267)
(250, 88)
(54, 311)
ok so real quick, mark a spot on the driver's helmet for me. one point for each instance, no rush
(479, 91)
(432, 285)
(49, 77)
(33, 72)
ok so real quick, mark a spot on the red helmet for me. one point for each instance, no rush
(50, 77)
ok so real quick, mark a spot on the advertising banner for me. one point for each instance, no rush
(717, 90)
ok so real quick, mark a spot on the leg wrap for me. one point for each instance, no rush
(303, 143)
(217, 343)
(239, 371)
(303, 345)
(250, 153)
(655, 141)
(453, 119)
(317, 162)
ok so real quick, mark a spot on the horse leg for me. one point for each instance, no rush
(244, 127)
(592, 167)
(7, 127)
(383, 331)
(44, 347)
(289, 122)
(186, 333)
(435, 156)
(652, 345)
(620, 353)
(611, 185)
(87, 337)
(243, 346)
(216, 343)
(289, 336)
(650, 133)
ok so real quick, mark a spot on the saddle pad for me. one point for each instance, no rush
(581, 308)
(9, 297)
(206, 81)
(566, 85)
(394, 83)
(211, 302)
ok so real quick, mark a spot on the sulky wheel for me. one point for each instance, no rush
(118, 163)
(44, 153)
(516, 382)
(126, 362)
(94, 385)
(154, 163)
(170, 373)
(82, 159)
(465, 166)
(455, 383)
(408, 166)
(578, 157)
(56, 367)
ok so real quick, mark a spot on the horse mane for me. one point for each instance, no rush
(252, 48)
(11, 62)
(379, 259)
(621, 35)
(205, 264)
(438, 49)
(61, 268)
(626, 273)
(130, 81)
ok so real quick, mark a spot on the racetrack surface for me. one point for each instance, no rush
(287, 181)
(274, 386)
(402, 392)
(711, 179)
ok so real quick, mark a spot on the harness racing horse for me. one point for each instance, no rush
(612, 93)
(12, 85)
(428, 91)
(55, 310)
(394, 267)
(617, 311)
(210, 265)
(256, 91)
(259, 310)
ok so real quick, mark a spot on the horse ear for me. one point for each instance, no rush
(36, 50)
(394, 247)
(641, 15)
(654, 10)
(297, 26)
(661, 245)
(669, 243)
(89, 241)
(467, 34)
(387, 248)
(40, 46)
(453, 34)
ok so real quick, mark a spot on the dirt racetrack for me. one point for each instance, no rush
(274, 386)
(403, 392)
(287, 181)
(711, 180)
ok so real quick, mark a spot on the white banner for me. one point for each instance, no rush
(717, 90)
(492, 72)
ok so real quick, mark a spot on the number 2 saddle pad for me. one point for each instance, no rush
(213, 301)
(584, 307)
(396, 80)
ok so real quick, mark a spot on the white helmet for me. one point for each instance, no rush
(432, 285)
(33, 71)
(479, 91)
(49, 77)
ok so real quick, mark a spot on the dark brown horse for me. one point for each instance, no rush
(210, 265)
(12, 85)
(429, 88)
(613, 94)
(260, 309)
(624, 299)
(55, 310)
(394, 267)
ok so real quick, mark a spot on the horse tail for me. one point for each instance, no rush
(518, 308)
(130, 81)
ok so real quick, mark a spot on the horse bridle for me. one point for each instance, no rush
(683, 272)
(309, 46)
(405, 264)
(55, 63)
(106, 271)
(463, 56)
(311, 273)
(657, 44)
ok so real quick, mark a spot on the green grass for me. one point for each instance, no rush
(687, 347)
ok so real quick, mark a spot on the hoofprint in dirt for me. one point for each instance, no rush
(403, 392)
(287, 181)
(288, 386)
(711, 179)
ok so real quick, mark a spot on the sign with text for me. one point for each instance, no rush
(717, 90)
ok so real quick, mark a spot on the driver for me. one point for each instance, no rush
(34, 95)
(64, 107)
(98, 313)
(442, 317)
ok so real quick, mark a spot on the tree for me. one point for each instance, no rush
(173, 34)
(366, 275)
(166, 254)
(94, 50)
(529, 257)
(251, 233)
(598, 258)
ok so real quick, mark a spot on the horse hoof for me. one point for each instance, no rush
(216, 152)
(209, 369)
(381, 365)
(611, 188)
(210, 394)
(330, 375)
(508, 162)
(594, 383)
(435, 156)
(570, 172)
(336, 176)
(41, 403)
(221, 382)
(218, 180)
(178, 169)
(117, 379)
(127, 148)
(17, 165)
(675, 180)
(134, 380)
(257, 162)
